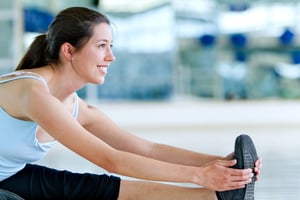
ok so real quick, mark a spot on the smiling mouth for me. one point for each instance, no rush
(103, 68)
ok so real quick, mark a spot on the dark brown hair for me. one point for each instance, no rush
(73, 25)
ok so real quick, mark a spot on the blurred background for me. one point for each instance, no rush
(193, 73)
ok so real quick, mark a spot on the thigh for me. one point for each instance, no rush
(157, 191)
(39, 182)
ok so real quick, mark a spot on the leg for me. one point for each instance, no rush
(153, 191)
(39, 182)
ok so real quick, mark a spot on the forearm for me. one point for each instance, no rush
(215, 176)
(141, 167)
(180, 156)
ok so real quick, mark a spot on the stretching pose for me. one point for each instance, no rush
(39, 107)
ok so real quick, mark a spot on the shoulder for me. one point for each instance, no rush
(21, 85)
(88, 113)
(20, 94)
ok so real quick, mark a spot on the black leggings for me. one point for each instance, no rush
(39, 182)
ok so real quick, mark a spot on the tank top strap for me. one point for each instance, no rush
(21, 74)
(76, 106)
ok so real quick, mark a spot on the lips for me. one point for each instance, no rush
(103, 68)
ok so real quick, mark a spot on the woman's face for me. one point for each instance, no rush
(93, 59)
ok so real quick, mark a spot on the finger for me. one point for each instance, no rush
(227, 163)
(239, 172)
(240, 181)
(258, 162)
(258, 166)
(247, 177)
(226, 188)
(239, 184)
(230, 156)
(257, 169)
(235, 185)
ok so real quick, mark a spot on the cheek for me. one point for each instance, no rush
(92, 56)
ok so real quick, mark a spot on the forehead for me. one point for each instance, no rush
(102, 32)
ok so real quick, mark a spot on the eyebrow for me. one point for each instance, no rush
(104, 40)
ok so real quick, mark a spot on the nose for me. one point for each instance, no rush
(110, 56)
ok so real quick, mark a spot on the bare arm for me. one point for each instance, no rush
(100, 125)
(52, 116)
(38, 105)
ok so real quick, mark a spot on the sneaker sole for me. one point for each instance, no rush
(7, 195)
(246, 155)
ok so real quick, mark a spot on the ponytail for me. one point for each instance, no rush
(36, 55)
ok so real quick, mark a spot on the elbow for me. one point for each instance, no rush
(112, 168)
(113, 162)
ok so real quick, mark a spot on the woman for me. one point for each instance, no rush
(39, 106)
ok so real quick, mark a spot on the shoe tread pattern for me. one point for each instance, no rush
(245, 154)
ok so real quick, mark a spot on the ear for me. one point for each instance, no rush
(67, 50)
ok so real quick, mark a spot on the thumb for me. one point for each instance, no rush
(227, 163)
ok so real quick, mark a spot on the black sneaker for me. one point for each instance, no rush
(6, 195)
(245, 154)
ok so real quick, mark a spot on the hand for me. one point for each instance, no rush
(257, 165)
(217, 175)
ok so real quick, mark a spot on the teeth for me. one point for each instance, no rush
(103, 68)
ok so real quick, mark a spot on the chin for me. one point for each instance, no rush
(100, 81)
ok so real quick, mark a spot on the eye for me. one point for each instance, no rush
(105, 45)
(102, 45)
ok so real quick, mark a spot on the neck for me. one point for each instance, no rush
(62, 82)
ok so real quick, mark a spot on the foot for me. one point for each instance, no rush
(245, 154)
